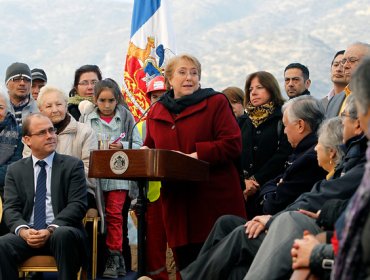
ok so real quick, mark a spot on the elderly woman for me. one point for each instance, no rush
(11, 145)
(265, 146)
(347, 177)
(74, 138)
(199, 123)
(85, 80)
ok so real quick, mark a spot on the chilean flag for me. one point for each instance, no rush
(152, 43)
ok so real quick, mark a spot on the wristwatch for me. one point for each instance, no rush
(51, 230)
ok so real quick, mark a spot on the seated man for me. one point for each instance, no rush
(301, 119)
(233, 245)
(45, 202)
(352, 228)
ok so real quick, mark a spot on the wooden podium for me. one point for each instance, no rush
(143, 166)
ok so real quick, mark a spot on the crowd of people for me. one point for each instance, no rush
(288, 191)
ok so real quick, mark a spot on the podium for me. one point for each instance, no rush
(143, 166)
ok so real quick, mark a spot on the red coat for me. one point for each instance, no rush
(210, 129)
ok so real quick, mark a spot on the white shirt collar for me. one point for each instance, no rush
(48, 159)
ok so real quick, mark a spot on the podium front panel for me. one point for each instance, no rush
(151, 164)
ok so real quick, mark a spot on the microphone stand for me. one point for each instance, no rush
(141, 207)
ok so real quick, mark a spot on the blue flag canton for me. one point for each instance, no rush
(143, 10)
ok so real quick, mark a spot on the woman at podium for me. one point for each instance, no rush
(199, 123)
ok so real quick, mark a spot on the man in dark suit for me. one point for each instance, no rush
(51, 225)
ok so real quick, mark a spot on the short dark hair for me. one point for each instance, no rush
(84, 69)
(338, 53)
(304, 69)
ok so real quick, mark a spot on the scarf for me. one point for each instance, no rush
(62, 124)
(348, 263)
(76, 99)
(259, 114)
(176, 106)
(21, 104)
(9, 136)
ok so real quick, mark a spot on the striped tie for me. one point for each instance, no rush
(40, 200)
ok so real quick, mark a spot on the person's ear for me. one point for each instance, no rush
(26, 140)
(358, 128)
(308, 83)
(301, 126)
(332, 154)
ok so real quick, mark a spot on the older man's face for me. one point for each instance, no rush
(292, 130)
(351, 59)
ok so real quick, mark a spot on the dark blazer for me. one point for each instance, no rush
(301, 174)
(68, 192)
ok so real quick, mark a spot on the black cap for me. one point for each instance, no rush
(39, 74)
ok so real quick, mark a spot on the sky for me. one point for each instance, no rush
(230, 38)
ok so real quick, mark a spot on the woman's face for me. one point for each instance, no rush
(323, 157)
(258, 94)
(106, 103)
(238, 108)
(185, 79)
(2, 109)
(54, 107)
(86, 84)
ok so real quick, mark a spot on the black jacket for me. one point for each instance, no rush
(300, 175)
(342, 185)
(265, 148)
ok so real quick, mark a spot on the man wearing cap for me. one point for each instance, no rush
(18, 83)
(39, 79)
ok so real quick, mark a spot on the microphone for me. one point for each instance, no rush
(130, 139)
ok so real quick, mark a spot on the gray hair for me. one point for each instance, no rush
(330, 136)
(305, 108)
(360, 84)
(364, 46)
(350, 107)
(48, 89)
(5, 97)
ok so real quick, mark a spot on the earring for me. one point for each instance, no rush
(330, 162)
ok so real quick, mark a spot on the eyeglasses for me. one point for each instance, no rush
(86, 82)
(348, 115)
(21, 78)
(44, 132)
(350, 60)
